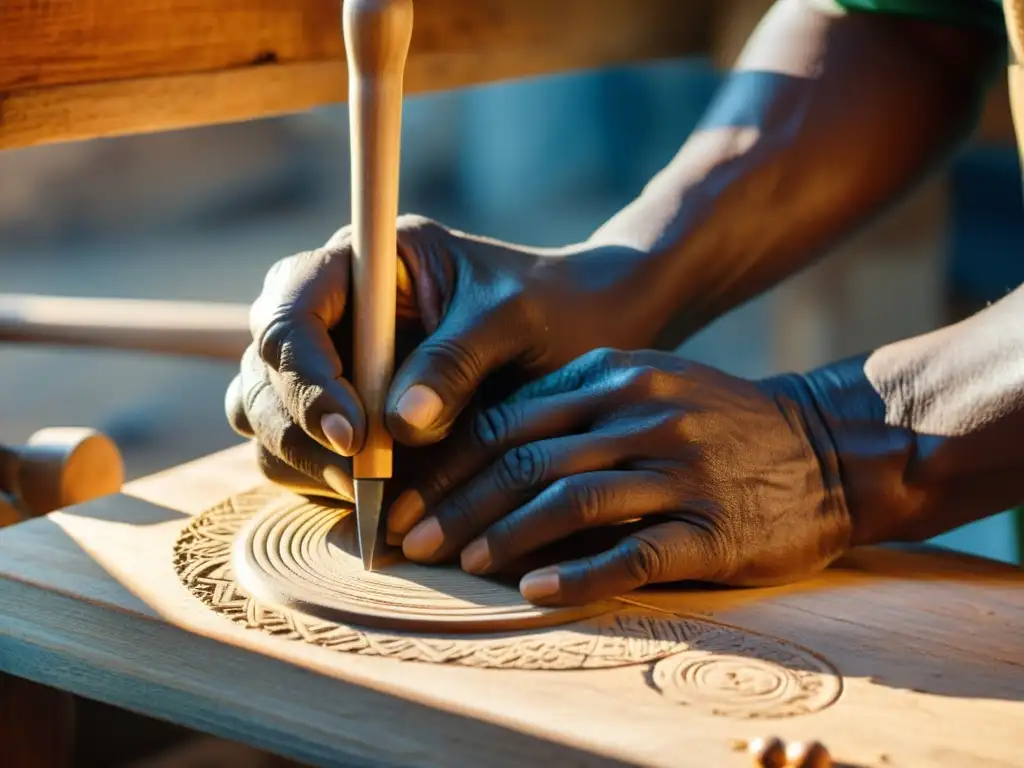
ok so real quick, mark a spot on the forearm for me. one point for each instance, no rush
(825, 121)
(929, 432)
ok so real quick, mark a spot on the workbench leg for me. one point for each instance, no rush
(37, 725)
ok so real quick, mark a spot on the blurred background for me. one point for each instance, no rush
(201, 214)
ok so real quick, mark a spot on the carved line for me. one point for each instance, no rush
(715, 668)
(202, 559)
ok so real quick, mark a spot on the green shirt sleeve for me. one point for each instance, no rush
(977, 13)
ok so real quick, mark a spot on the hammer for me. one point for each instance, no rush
(56, 468)
(377, 37)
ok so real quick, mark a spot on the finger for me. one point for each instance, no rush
(277, 471)
(511, 481)
(234, 408)
(578, 503)
(441, 376)
(673, 551)
(490, 434)
(303, 297)
(597, 389)
(280, 436)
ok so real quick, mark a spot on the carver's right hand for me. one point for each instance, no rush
(468, 308)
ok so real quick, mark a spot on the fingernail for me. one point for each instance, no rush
(423, 540)
(338, 432)
(539, 584)
(476, 558)
(405, 512)
(419, 406)
(339, 482)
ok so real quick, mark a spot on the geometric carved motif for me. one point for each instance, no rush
(715, 669)
(738, 674)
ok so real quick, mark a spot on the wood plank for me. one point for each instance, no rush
(83, 68)
(89, 602)
(64, 42)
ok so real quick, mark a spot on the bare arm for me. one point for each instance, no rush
(929, 431)
(826, 120)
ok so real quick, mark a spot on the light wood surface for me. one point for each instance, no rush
(203, 329)
(304, 555)
(60, 466)
(89, 68)
(377, 38)
(928, 647)
(74, 70)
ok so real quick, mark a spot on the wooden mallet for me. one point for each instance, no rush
(56, 468)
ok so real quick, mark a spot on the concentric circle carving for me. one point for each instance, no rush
(739, 674)
(302, 555)
(203, 561)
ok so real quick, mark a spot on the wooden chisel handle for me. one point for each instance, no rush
(377, 37)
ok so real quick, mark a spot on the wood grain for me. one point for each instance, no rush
(927, 645)
(74, 69)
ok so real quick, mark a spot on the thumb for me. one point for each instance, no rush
(441, 376)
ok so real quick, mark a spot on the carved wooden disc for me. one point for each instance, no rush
(304, 556)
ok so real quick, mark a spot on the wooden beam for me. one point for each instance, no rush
(76, 69)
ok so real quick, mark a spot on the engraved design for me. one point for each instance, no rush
(739, 674)
(302, 555)
(716, 669)
(203, 561)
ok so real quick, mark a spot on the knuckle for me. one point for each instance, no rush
(341, 240)
(523, 467)
(458, 517)
(440, 483)
(674, 425)
(269, 465)
(255, 398)
(461, 364)
(602, 357)
(642, 381)
(273, 341)
(415, 223)
(493, 426)
(581, 500)
(288, 442)
(646, 560)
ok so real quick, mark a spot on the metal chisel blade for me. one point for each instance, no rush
(369, 499)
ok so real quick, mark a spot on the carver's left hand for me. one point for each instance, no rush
(733, 480)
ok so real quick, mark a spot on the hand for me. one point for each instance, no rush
(727, 481)
(476, 305)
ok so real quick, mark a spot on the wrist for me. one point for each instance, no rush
(626, 285)
(873, 458)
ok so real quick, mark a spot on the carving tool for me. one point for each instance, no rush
(377, 37)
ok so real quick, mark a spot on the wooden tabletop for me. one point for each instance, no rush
(75, 69)
(898, 658)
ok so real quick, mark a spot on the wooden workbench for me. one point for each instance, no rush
(81, 69)
(921, 650)
(74, 69)
(921, 653)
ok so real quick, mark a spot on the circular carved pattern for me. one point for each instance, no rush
(740, 674)
(203, 561)
(719, 670)
(303, 555)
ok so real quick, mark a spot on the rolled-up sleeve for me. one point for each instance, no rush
(978, 13)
